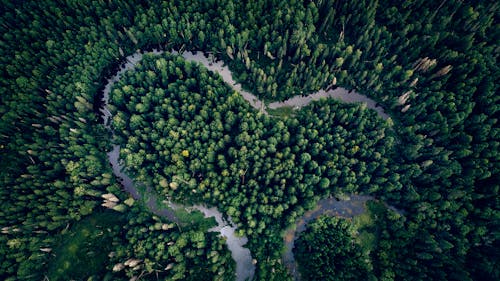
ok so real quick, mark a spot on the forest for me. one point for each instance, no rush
(432, 66)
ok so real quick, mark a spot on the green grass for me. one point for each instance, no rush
(187, 220)
(282, 112)
(365, 225)
(190, 220)
(83, 250)
(195, 219)
(366, 230)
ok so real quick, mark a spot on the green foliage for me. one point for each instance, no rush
(438, 161)
(160, 249)
(244, 162)
(366, 228)
(281, 112)
(84, 249)
(326, 251)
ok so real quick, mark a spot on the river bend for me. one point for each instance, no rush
(245, 267)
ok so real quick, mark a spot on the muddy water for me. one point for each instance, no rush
(339, 93)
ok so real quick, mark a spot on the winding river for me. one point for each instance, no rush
(353, 205)
(245, 267)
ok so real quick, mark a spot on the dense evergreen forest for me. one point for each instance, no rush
(431, 64)
(326, 251)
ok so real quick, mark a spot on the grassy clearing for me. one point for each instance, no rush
(281, 112)
(190, 219)
(195, 219)
(83, 250)
(365, 226)
(367, 230)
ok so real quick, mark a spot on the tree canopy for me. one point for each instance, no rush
(432, 65)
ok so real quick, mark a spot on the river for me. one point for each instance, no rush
(295, 102)
(245, 268)
(338, 93)
(347, 208)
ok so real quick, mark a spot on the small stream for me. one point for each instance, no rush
(338, 93)
(245, 268)
(296, 102)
